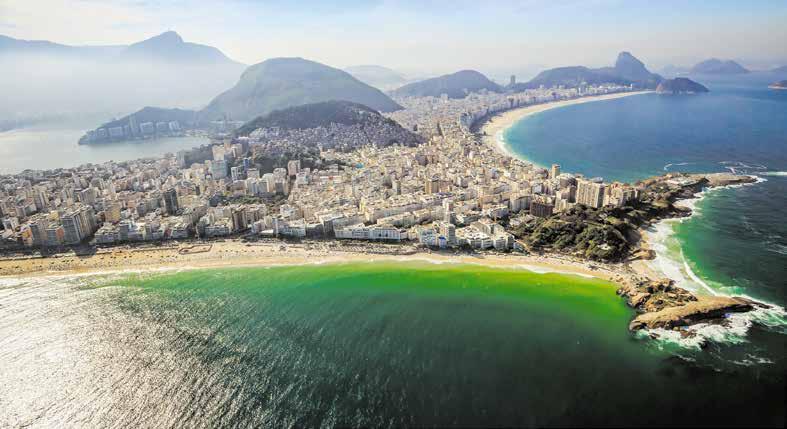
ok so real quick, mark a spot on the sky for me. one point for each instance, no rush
(426, 36)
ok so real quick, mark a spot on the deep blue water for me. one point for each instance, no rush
(740, 122)
(737, 241)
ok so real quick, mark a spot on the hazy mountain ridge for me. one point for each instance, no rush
(628, 70)
(279, 83)
(379, 77)
(168, 46)
(717, 66)
(568, 76)
(455, 85)
(107, 80)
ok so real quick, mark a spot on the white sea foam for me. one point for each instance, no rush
(673, 264)
(734, 329)
(774, 173)
(667, 167)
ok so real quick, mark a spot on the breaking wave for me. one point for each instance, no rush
(671, 262)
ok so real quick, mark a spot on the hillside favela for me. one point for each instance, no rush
(393, 214)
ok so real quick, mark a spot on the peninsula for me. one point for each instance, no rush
(337, 181)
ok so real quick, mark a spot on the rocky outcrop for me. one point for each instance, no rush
(661, 304)
(713, 180)
(654, 295)
(705, 309)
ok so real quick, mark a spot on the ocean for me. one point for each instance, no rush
(382, 344)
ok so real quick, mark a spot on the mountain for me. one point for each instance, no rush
(377, 76)
(716, 66)
(680, 85)
(10, 46)
(41, 78)
(569, 76)
(628, 70)
(782, 69)
(455, 85)
(279, 83)
(166, 47)
(170, 47)
(633, 70)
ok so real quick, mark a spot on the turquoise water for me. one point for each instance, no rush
(405, 344)
(737, 243)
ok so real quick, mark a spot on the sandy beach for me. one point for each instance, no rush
(492, 130)
(235, 253)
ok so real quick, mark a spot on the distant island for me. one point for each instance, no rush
(782, 84)
(717, 66)
(680, 85)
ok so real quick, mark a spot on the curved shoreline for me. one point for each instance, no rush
(492, 130)
(662, 231)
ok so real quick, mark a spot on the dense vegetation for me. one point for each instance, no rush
(315, 115)
(279, 83)
(606, 234)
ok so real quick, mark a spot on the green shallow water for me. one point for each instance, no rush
(357, 344)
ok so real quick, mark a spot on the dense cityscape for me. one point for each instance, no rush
(451, 191)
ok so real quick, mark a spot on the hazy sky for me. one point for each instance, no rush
(426, 35)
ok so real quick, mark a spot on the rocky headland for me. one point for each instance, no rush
(659, 302)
